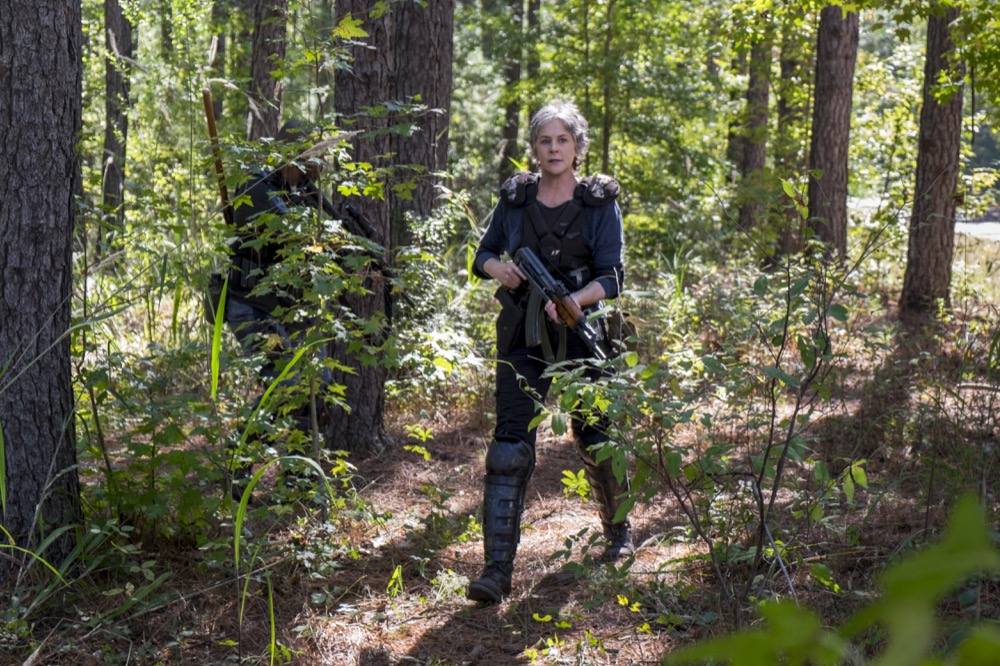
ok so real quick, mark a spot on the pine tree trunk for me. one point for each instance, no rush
(369, 83)
(753, 203)
(269, 29)
(790, 154)
(927, 280)
(507, 48)
(117, 84)
(836, 54)
(609, 75)
(427, 31)
(40, 117)
(220, 18)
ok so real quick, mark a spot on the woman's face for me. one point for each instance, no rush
(555, 149)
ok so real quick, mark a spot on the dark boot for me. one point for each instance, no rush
(609, 494)
(503, 502)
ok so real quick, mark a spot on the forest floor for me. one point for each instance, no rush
(384, 586)
(397, 595)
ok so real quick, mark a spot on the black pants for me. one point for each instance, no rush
(519, 384)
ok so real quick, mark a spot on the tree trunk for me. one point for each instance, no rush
(533, 31)
(753, 200)
(368, 84)
(40, 117)
(117, 83)
(790, 154)
(836, 53)
(427, 31)
(220, 19)
(166, 13)
(609, 72)
(932, 225)
(269, 29)
(735, 139)
(507, 48)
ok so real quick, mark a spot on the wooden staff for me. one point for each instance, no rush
(227, 211)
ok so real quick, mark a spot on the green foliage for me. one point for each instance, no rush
(717, 405)
(907, 610)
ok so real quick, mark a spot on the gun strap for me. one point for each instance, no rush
(536, 329)
(560, 354)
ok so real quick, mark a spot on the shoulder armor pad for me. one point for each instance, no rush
(518, 188)
(598, 190)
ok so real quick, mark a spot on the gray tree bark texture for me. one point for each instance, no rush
(425, 30)
(369, 82)
(836, 54)
(407, 55)
(790, 151)
(117, 84)
(753, 205)
(40, 117)
(269, 29)
(927, 279)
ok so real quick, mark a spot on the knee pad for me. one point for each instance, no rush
(515, 459)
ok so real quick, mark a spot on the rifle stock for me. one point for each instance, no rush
(227, 210)
(568, 310)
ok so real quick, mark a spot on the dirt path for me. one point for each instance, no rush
(551, 611)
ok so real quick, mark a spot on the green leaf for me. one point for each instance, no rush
(821, 574)
(559, 424)
(220, 312)
(713, 364)
(780, 375)
(859, 475)
(792, 635)
(848, 487)
(349, 28)
(838, 312)
(981, 648)
(760, 285)
(789, 188)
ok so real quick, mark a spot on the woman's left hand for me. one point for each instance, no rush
(550, 310)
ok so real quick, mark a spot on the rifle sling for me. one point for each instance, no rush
(536, 330)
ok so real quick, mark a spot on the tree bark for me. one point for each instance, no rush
(836, 54)
(117, 84)
(735, 138)
(790, 151)
(753, 204)
(269, 29)
(220, 18)
(40, 117)
(507, 48)
(609, 73)
(368, 83)
(927, 279)
(425, 34)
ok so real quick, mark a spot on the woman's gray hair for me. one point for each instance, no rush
(571, 118)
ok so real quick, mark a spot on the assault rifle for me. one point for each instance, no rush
(568, 310)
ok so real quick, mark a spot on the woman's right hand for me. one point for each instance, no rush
(505, 272)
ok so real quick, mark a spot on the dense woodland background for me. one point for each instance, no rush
(812, 384)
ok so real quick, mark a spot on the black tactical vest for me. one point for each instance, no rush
(561, 244)
(557, 238)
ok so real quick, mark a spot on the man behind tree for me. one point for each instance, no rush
(263, 302)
